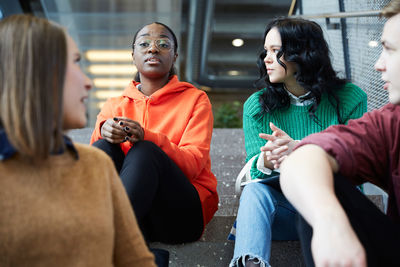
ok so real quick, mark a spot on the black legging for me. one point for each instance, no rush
(167, 206)
(377, 232)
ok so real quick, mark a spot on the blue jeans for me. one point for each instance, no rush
(264, 215)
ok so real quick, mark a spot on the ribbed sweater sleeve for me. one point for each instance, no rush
(295, 120)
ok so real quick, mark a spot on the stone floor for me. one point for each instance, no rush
(213, 249)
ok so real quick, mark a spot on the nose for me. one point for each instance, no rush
(152, 48)
(380, 64)
(267, 58)
(88, 83)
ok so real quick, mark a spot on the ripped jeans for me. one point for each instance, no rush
(264, 215)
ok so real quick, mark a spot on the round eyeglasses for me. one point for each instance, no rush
(161, 44)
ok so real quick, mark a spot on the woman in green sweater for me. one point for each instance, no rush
(300, 94)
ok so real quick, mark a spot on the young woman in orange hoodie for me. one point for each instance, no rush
(158, 133)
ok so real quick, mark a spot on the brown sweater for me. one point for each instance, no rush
(67, 212)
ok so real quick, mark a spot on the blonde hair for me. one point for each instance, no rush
(392, 9)
(33, 56)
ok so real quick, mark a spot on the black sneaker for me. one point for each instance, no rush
(162, 256)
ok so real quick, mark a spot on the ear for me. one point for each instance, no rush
(133, 59)
(175, 57)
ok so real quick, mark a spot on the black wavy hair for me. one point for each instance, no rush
(172, 70)
(303, 43)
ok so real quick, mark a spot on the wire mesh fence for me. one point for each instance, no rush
(362, 35)
(364, 46)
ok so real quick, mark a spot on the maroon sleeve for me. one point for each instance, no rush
(358, 147)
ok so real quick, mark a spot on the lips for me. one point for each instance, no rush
(152, 60)
(84, 99)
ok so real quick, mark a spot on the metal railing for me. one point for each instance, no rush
(367, 13)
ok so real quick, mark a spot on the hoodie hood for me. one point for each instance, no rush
(169, 90)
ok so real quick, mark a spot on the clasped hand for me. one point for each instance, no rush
(278, 147)
(121, 129)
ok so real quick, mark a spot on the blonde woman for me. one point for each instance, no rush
(62, 204)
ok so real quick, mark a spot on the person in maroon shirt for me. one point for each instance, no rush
(340, 226)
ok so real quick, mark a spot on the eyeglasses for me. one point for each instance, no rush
(161, 44)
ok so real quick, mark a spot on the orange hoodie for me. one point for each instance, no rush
(177, 118)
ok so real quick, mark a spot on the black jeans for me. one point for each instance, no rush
(377, 232)
(167, 206)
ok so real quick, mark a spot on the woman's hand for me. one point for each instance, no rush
(112, 131)
(279, 145)
(133, 129)
(121, 129)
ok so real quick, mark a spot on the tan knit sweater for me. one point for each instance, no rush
(67, 212)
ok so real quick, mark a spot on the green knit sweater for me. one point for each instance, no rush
(295, 120)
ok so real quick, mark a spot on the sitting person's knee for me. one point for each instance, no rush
(144, 148)
(101, 143)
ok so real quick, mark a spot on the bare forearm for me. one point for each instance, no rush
(307, 182)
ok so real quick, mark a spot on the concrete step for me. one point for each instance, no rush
(213, 249)
(207, 254)
(210, 254)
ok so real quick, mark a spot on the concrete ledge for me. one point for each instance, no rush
(210, 254)
(213, 249)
